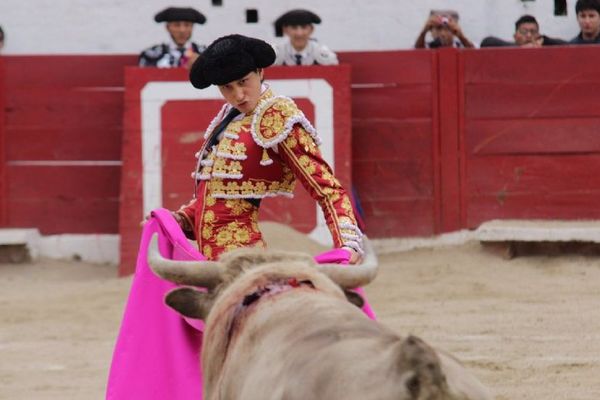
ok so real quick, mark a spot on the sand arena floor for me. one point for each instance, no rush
(529, 328)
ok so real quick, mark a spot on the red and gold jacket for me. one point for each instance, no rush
(259, 155)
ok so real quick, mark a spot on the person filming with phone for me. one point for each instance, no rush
(443, 27)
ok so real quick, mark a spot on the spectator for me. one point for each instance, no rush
(445, 31)
(527, 34)
(301, 48)
(588, 17)
(181, 52)
(1, 39)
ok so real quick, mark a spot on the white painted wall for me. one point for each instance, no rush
(127, 26)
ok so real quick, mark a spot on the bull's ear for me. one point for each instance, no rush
(190, 302)
(421, 370)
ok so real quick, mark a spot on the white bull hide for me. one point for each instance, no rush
(276, 328)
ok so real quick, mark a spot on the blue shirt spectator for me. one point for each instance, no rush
(527, 34)
(588, 17)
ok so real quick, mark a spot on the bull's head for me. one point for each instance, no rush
(216, 276)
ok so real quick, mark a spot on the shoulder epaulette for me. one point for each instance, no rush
(274, 119)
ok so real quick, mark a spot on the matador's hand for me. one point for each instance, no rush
(183, 223)
(355, 257)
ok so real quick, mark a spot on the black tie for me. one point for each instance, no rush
(214, 137)
(298, 59)
(181, 51)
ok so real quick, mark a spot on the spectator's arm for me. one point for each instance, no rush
(279, 50)
(192, 56)
(420, 43)
(492, 41)
(548, 41)
(457, 31)
(465, 42)
(431, 22)
(324, 56)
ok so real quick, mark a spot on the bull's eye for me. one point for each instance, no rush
(251, 298)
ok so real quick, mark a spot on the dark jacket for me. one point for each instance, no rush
(580, 40)
(492, 41)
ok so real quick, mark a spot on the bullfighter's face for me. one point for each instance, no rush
(244, 93)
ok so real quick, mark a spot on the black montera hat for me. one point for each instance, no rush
(296, 17)
(180, 14)
(230, 58)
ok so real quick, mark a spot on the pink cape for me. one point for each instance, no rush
(157, 353)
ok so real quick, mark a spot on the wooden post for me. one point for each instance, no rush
(449, 108)
(3, 173)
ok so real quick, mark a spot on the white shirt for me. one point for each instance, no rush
(313, 53)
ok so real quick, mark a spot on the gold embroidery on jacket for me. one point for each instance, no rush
(254, 218)
(308, 142)
(207, 251)
(272, 125)
(271, 119)
(235, 126)
(209, 216)
(227, 146)
(307, 164)
(210, 201)
(233, 234)
(219, 189)
(291, 141)
(332, 180)
(207, 232)
(347, 205)
(227, 167)
(238, 149)
(238, 206)
(332, 194)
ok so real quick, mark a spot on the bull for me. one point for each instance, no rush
(279, 326)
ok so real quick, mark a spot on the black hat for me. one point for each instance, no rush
(230, 58)
(295, 17)
(180, 14)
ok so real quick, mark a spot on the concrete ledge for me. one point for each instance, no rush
(393, 245)
(538, 231)
(94, 248)
(18, 245)
(97, 248)
(28, 238)
(500, 235)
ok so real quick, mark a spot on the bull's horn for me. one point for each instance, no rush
(353, 276)
(193, 273)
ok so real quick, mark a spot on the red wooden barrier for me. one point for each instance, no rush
(395, 145)
(441, 140)
(3, 175)
(62, 142)
(531, 135)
